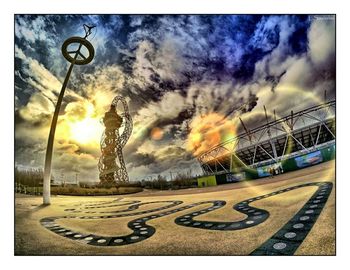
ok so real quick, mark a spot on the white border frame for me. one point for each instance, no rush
(9, 8)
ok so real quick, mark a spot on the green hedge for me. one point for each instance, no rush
(78, 191)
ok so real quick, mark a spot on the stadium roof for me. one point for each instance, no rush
(304, 131)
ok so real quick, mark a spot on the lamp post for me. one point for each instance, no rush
(75, 57)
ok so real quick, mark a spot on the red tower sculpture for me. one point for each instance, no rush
(111, 164)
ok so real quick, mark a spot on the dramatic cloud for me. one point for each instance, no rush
(186, 79)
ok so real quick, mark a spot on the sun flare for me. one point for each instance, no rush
(86, 131)
(208, 131)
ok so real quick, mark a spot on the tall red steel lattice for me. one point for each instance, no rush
(111, 164)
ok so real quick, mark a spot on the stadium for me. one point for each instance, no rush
(298, 140)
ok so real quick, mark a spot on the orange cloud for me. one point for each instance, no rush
(208, 131)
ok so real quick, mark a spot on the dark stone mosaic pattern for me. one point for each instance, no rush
(284, 242)
(287, 240)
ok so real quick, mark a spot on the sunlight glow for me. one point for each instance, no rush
(87, 131)
(81, 124)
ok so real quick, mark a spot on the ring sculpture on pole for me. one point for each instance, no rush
(111, 164)
(74, 57)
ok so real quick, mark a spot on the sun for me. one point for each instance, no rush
(86, 131)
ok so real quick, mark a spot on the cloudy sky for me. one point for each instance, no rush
(186, 80)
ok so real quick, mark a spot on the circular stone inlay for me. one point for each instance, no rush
(290, 235)
(101, 241)
(118, 240)
(298, 226)
(279, 246)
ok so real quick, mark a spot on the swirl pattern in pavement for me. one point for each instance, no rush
(284, 242)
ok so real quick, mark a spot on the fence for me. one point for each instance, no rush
(24, 189)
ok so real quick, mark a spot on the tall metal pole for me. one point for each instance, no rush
(49, 149)
(73, 60)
